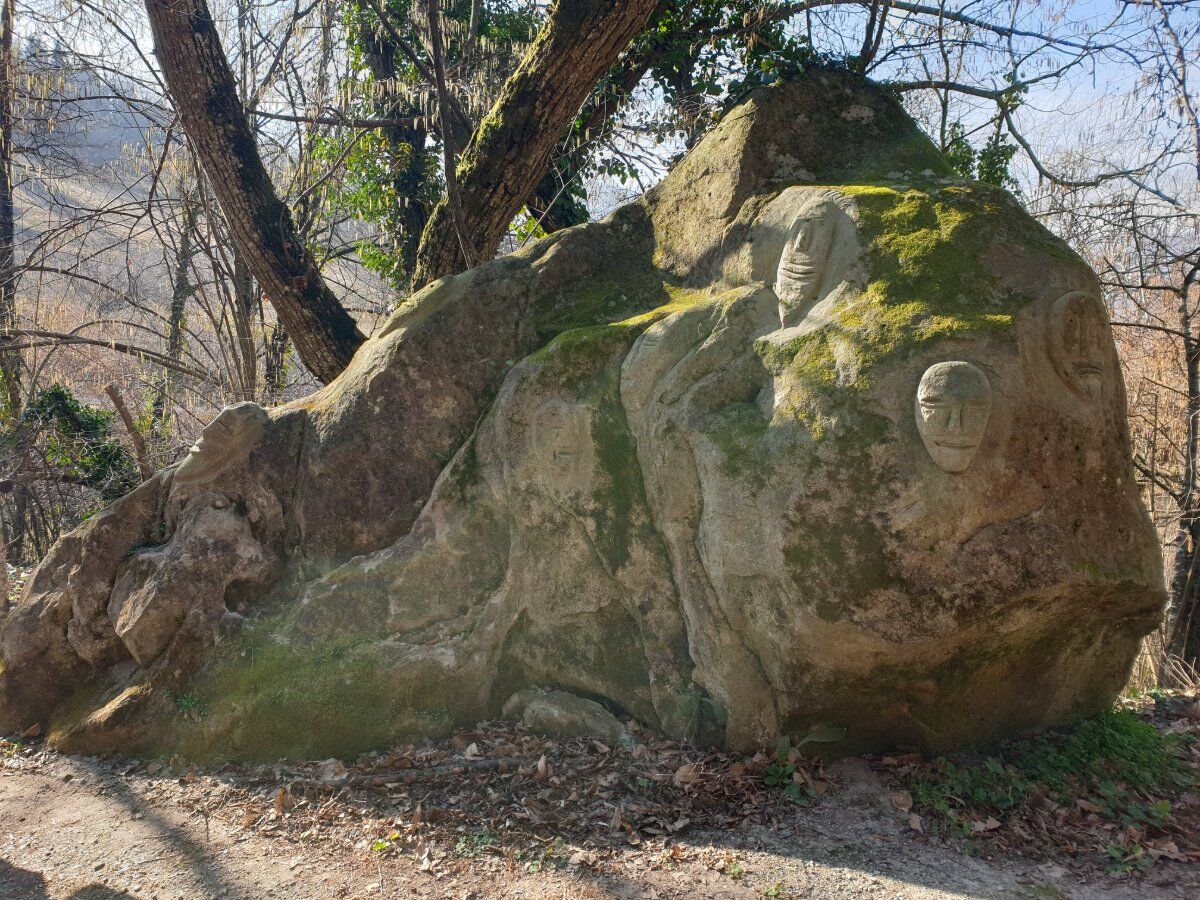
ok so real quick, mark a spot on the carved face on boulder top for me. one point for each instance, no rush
(954, 400)
(226, 440)
(1077, 337)
(806, 244)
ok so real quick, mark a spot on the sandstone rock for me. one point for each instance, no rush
(158, 587)
(564, 715)
(813, 434)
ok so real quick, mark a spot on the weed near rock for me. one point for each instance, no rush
(1113, 790)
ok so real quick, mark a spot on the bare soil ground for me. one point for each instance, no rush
(501, 813)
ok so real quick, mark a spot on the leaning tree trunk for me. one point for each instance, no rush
(510, 150)
(205, 97)
(552, 203)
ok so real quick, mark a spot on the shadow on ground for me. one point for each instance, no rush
(22, 884)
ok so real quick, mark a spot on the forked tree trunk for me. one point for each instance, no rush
(511, 148)
(205, 97)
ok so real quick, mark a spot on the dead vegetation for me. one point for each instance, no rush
(1108, 803)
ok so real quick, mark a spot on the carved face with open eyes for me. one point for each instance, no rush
(954, 400)
(227, 439)
(1078, 335)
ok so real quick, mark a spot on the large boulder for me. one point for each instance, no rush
(813, 434)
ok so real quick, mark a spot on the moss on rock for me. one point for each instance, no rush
(265, 699)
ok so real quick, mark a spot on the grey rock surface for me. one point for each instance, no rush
(812, 434)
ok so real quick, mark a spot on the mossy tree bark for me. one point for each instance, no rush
(205, 96)
(511, 149)
(552, 202)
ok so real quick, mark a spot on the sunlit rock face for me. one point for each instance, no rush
(814, 434)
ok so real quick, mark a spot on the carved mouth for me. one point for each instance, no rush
(957, 445)
(796, 272)
(1087, 370)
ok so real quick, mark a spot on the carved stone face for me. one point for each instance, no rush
(562, 446)
(805, 247)
(804, 262)
(1077, 336)
(954, 400)
(226, 440)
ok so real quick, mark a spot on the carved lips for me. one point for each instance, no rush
(954, 400)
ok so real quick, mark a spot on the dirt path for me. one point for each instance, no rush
(93, 830)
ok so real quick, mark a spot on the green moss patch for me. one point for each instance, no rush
(619, 488)
(603, 299)
(1113, 775)
(925, 251)
(264, 699)
(738, 431)
(577, 354)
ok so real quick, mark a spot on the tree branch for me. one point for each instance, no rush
(56, 339)
(510, 151)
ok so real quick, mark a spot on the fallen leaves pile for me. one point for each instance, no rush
(502, 791)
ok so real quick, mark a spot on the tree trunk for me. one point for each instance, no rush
(274, 363)
(10, 360)
(1185, 572)
(1184, 638)
(264, 235)
(552, 203)
(510, 150)
(408, 167)
(244, 304)
(181, 290)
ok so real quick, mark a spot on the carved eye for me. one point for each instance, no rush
(802, 242)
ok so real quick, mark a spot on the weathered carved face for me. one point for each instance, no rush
(228, 439)
(805, 245)
(562, 447)
(1077, 338)
(953, 403)
(806, 254)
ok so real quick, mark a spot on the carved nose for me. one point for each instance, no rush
(954, 418)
